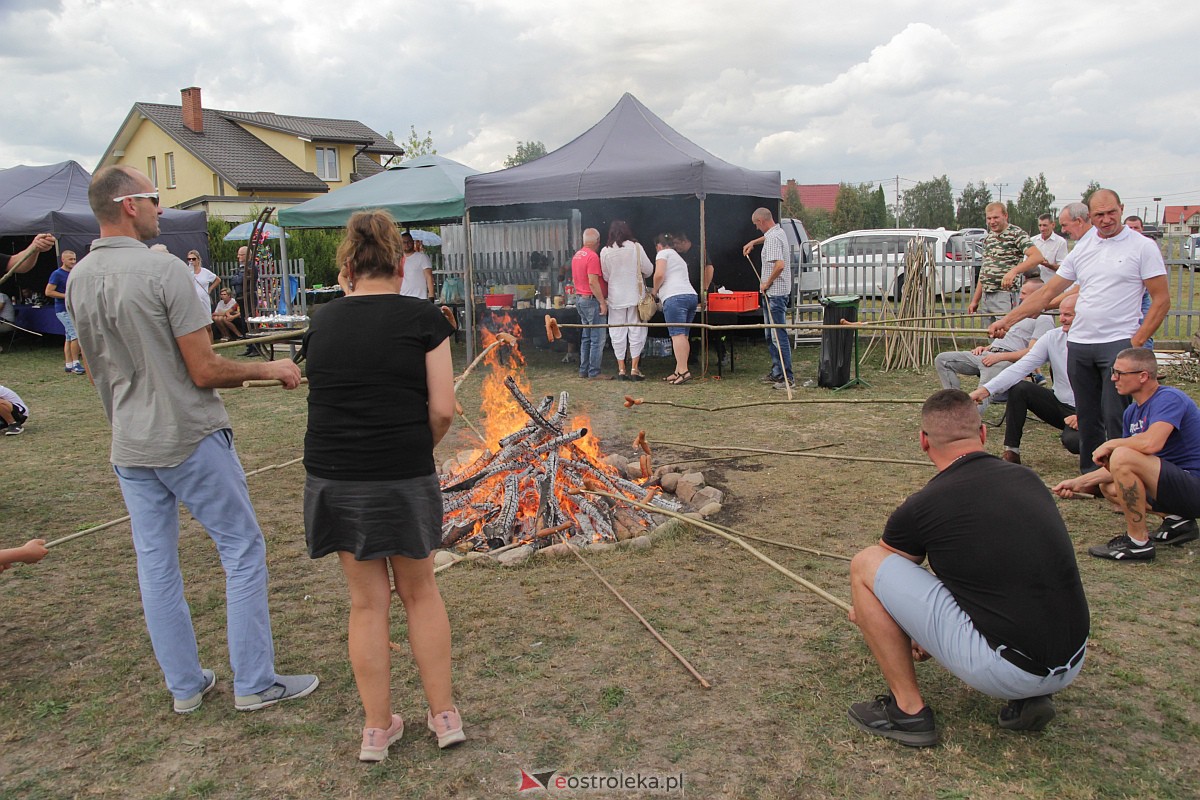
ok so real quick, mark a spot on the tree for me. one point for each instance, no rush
(1089, 191)
(875, 210)
(1033, 201)
(526, 151)
(416, 146)
(792, 207)
(972, 205)
(929, 204)
(818, 222)
(848, 211)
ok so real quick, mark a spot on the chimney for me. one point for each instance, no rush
(193, 112)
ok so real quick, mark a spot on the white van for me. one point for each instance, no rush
(871, 263)
(806, 276)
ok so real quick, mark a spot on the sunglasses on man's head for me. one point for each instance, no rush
(151, 196)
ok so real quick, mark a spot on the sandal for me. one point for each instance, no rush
(680, 380)
(671, 378)
(621, 376)
(634, 375)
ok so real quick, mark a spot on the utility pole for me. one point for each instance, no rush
(897, 202)
(1000, 189)
(1157, 200)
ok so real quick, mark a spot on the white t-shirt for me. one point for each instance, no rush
(676, 280)
(12, 397)
(204, 279)
(1111, 274)
(1053, 250)
(223, 306)
(8, 312)
(414, 284)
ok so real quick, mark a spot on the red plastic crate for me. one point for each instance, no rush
(736, 301)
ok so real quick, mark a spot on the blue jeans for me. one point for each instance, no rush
(679, 308)
(212, 485)
(591, 340)
(777, 308)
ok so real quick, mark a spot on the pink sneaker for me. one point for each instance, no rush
(447, 726)
(376, 741)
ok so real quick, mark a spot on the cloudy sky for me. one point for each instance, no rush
(864, 90)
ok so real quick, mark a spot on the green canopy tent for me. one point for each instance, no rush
(426, 190)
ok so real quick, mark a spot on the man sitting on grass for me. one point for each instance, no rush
(1005, 613)
(1155, 467)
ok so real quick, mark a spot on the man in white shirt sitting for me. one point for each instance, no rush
(1056, 408)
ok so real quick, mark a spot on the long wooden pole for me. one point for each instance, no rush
(256, 340)
(793, 453)
(679, 657)
(817, 590)
(126, 518)
(805, 326)
(639, 401)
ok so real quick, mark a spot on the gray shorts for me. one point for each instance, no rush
(927, 611)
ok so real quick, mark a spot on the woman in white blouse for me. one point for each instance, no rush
(679, 300)
(624, 263)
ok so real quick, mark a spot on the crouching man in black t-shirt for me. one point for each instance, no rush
(1006, 612)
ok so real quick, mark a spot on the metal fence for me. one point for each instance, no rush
(877, 279)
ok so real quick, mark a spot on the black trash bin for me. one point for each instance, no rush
(837, 347)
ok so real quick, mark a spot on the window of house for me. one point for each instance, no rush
(170, 170)
(152, 170)
(327, 163)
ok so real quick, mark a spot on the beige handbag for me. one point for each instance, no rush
(648, 304)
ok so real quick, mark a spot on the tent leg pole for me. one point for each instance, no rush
(703, 294)
(469, 289)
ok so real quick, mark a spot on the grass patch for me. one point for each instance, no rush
(550, 671)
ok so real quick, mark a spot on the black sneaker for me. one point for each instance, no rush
(1122, 548)
(883, 717)
(1031, 714)
(770, 377)
(1175, 530)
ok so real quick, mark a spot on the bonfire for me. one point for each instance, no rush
(525, 485)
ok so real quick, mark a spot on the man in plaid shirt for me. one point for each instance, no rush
(775, 281)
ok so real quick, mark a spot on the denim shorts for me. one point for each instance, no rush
(68, 326)
(679, 308)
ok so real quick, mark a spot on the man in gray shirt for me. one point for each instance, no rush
(147, 345)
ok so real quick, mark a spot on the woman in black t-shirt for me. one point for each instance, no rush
(381, 396)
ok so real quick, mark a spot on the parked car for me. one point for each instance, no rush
(806, 275)
(1153, 231)
(1191, 248)
(870, 263)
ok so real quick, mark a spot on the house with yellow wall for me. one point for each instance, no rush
(233, 163)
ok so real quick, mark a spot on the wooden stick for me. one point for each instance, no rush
(126, 518)
(766, 301)
(798, 454)
(278, 336)
(803, 326)
(817, 590)
(574, 549)
(788, 545)
(261, 384)
(501, 338)
(458, 409)
(745, 455)
(630, 402)
(26, 330)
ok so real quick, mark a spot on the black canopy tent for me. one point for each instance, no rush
(631, 165)
(53, 199)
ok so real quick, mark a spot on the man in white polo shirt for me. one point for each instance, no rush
(1113, 266)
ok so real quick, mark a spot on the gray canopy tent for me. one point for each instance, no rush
(629, 165)
(53, 199)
